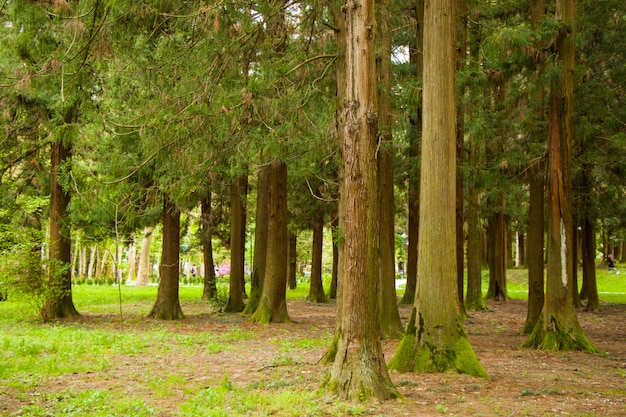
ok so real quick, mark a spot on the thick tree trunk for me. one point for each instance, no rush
(416, 58)
(132, 260)
(58, 302)
(273, 304)
(143, 269)
(558, 327)
(237, 245)
(316, 288)
(260, 241)
(535, 252)
(209, 287)
(359, 370)
(435, 339)
(167, 305)
(292, 261)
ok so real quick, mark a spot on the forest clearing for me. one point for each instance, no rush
(218, 364)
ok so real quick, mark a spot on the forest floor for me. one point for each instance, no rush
(521, 382)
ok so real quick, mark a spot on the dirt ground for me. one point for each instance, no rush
(521, 382)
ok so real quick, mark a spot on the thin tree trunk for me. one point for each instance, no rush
(167, 305)
(58, 302)
(209, 287)
(132, 260)
(91, 267)
(236, 290)
(292, 259)
(535, 252)
(316, 287)
(416, 58)
(388, 314)
(589, 265)
(273, 304)
(332, 292)
(260, 241)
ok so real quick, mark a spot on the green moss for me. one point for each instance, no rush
(329, 357)
(466, 361)
(404, 358)
(263, 313)
(554, 337)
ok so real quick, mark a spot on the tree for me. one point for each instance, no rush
(238, 190)
(316, 287)
(272, 304)
(167, 304)
(359, 370)
(558, 327)
(435, 340)
(209, 290)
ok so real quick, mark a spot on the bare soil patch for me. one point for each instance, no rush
(521, 382)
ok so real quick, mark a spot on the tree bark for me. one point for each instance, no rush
(590, 288)
(388, 314)
(435, 340)
(558, 327)
(143, 269)
(332, 292)
(316, 288)
(58, 302)
(237, 245)
(273, 304)
(167, 305)
(497, 254)
(535, 252)
(292, 261)
(416, 58)
(209, 287)
(260, 241)
(359, 370)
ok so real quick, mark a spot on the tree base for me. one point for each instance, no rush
(557, 337)
(164, 312)
(265, 315)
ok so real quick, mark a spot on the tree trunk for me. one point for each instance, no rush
(273, 304)
(260, 241)
(167, 305)
(435, 339)
(91, 267)
(292, 261)
(416, 58)
(132, 260)
(359, 370)
(143, 269)
(58, 301)
(558, 327)
(332, 292)
(535, 252)
(461, 41)
(316, 288)
(388, 314)
(590, 288)
(209, 287)
(237, 250)
(497, 255)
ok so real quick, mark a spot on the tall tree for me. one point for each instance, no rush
(388, 314)
(316, 287)
(238, 192)
(272, 304)
(359, 370)
(558, 327)
(167, 304)
(209, 287)
(435, 340)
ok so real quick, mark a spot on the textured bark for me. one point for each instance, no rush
(167, 305)
(435, 339)
(316, 288)
(273, 304)
(558, 327)
(209, 287)
(237, 245)
(58, 302)
(143, 269)
(388, 314)
(416, 58)
(535, 252)
(260, 241)
(359, 370)
(332, 291)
